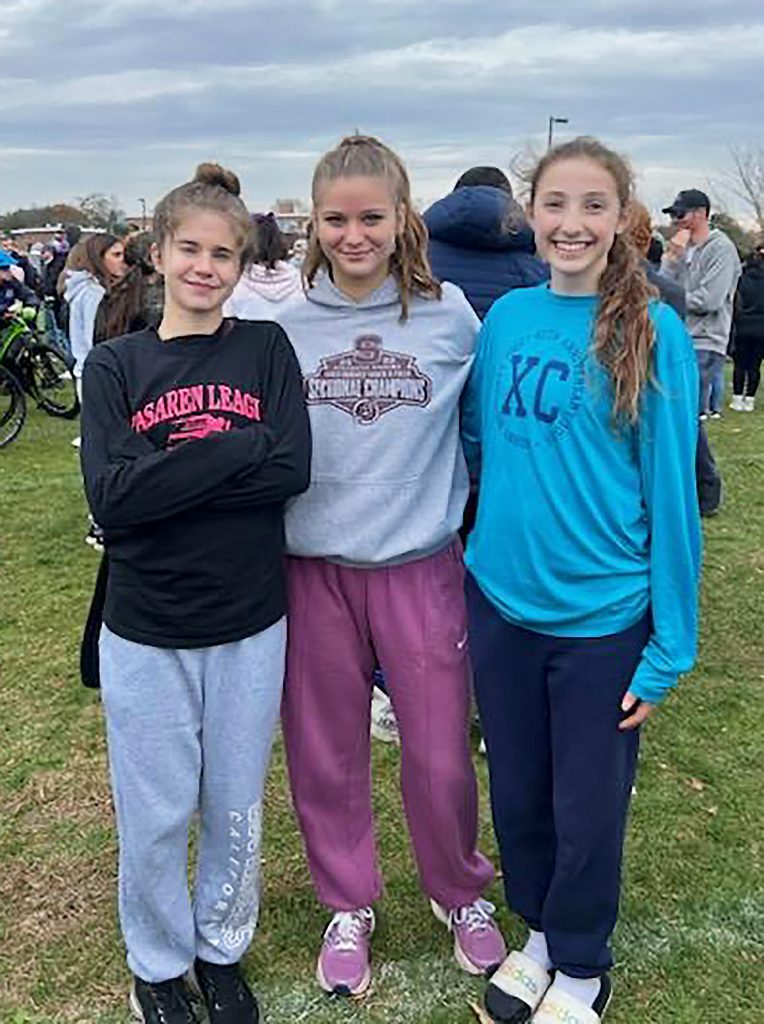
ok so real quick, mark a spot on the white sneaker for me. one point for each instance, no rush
(737, 403)
(384, 727)
(749, 403)
(76, 442)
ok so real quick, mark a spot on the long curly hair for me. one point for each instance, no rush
(623, 334)
(366, 157)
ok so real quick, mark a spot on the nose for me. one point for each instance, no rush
(353, 233)
(570, 222)
(203, 264)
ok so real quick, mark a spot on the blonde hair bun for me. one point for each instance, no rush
(213, 174)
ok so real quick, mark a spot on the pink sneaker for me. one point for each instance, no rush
(343, 963)
(478, 944)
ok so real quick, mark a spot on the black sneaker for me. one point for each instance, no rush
(164, 1002)
(227, 996)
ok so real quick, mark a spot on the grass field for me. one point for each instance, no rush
(690, 944)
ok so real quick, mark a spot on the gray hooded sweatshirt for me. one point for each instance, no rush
(388, 477)
(709, 276)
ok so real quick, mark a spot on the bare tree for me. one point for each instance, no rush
(746, 178)
(522, 164)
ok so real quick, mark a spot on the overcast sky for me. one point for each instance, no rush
(127, 96)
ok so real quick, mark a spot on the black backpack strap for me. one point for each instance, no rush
(89, 661)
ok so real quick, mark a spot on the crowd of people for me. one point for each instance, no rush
(263, 443)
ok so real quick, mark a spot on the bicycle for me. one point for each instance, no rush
(13, 407)
(47, 325)
(41, 369)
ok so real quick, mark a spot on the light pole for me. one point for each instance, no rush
(143, 214)
(552, 122)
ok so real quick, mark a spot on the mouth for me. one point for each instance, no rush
(201, 287)
(356, 255)
(571, 248)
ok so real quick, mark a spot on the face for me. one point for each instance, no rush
(200, 263)
(576, 215)
(114, 261)
(356, 223)
(690, 220)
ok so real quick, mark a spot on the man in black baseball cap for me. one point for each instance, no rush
(685, 202)
(703, 261)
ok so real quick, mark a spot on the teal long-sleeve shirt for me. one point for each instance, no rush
(584, 526)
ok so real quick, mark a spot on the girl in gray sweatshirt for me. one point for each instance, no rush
(376, 572)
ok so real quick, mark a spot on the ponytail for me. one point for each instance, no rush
(624, 336)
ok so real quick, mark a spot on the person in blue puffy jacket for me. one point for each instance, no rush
(481, 241)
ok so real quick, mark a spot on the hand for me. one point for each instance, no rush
(641, 710)
(678, 243)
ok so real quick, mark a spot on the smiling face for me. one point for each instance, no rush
(576, 215)
(356, 222)
(200, 262)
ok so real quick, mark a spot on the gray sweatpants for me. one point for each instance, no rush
(188, 730)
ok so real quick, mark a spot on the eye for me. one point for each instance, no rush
(595, 205)
(373, 218)
(333, 218)
(553, 204)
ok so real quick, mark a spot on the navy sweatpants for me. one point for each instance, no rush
(561, 775)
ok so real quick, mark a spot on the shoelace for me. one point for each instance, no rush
(477, 916)
(347, 927)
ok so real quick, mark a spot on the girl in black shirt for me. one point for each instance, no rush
(193, 437)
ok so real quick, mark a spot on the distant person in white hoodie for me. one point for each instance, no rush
(102, 299)
(97, 308)
(376, 571)
(270, 283)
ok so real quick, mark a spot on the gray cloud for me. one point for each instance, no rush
(125, 96)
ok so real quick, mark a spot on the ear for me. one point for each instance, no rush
(156, 257)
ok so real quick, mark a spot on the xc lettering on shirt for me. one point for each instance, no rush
(197, 411)
(368, 381)
(539, 388)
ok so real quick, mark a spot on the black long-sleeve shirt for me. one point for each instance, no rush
(190, 448)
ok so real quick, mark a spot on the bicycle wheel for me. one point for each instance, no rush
(13, 407)
(51, 382)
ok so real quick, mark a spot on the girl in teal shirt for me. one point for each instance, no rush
(580, 420)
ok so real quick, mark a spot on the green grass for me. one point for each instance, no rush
(690, 943)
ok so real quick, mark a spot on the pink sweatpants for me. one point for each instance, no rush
(413, 618)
